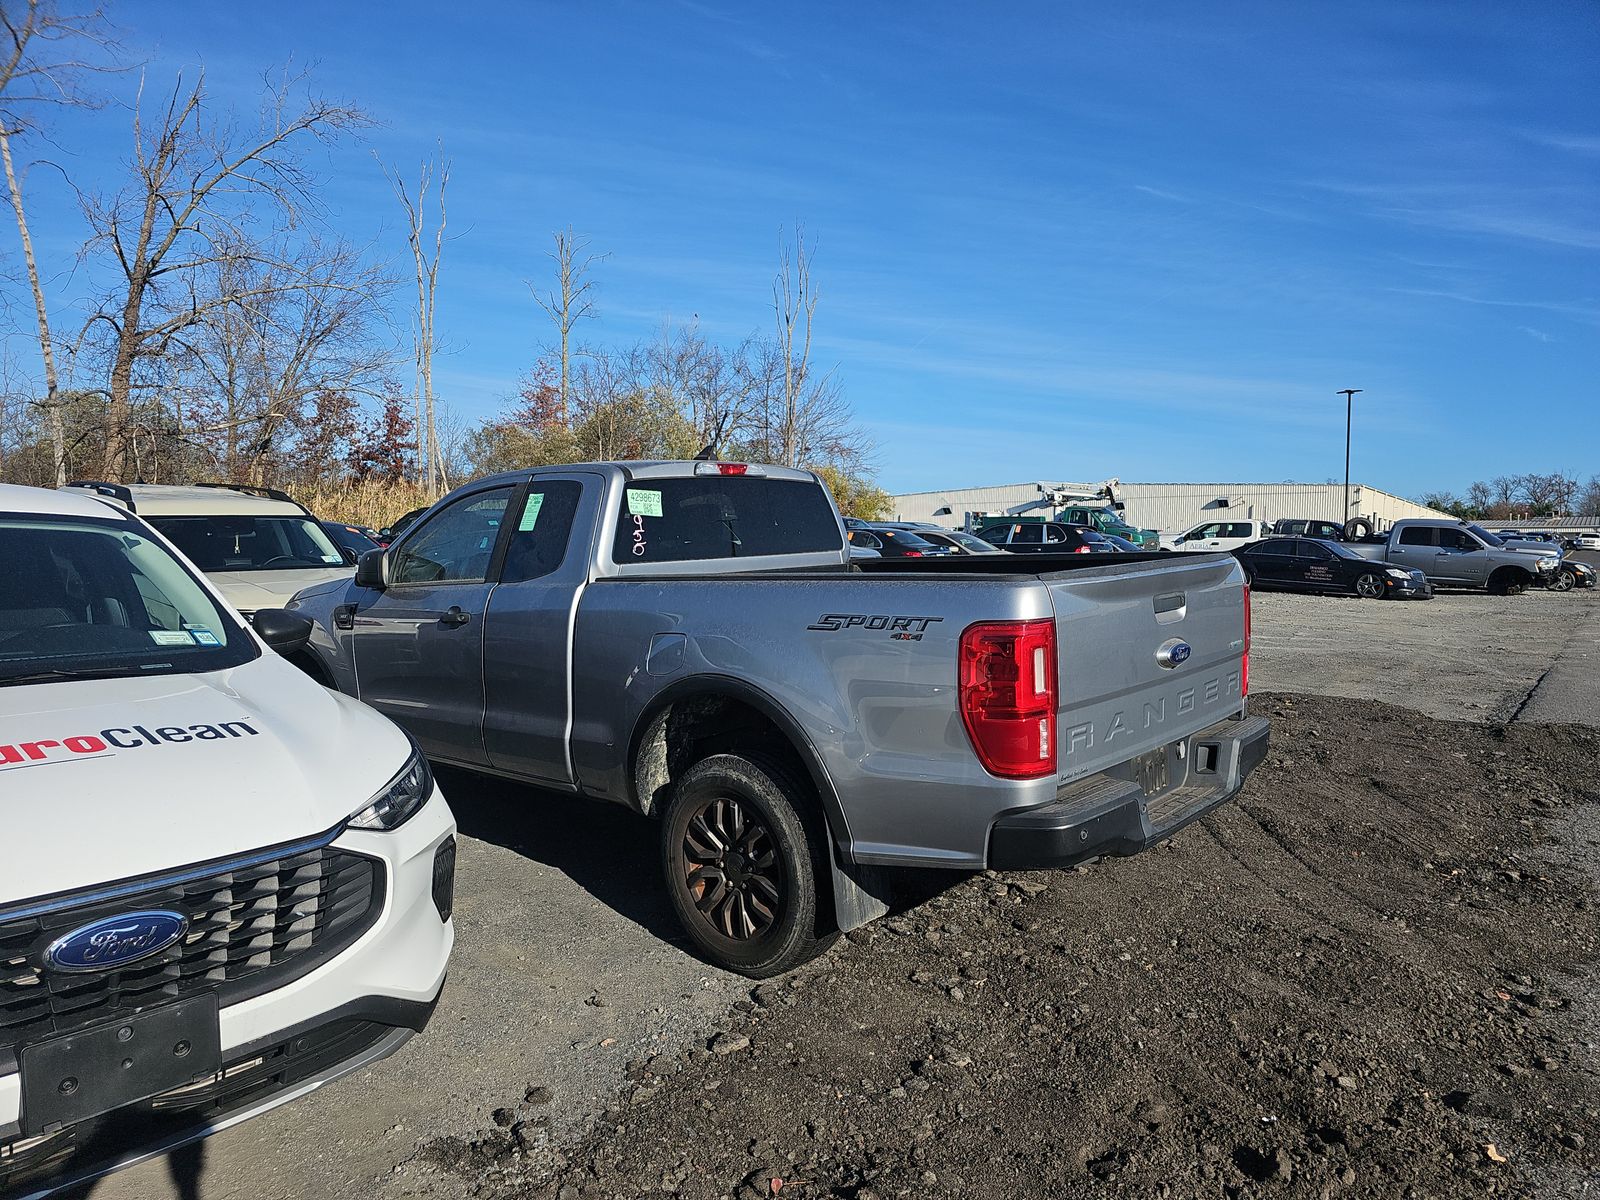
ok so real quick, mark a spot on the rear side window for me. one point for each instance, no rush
(1275, 549)
(1417, 535)
(722, 516)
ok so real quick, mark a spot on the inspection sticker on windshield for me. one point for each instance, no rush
(530, 512)
(643, 503)
(171, 637)
(205, 637)
(333, 560)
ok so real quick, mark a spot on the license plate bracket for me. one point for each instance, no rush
(1155, 771)
(91, 1072)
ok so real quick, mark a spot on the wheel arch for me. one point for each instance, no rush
(652, 747)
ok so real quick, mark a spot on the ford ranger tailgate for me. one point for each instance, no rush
(1147, 654)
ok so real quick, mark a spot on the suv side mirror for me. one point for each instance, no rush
(369, 570)
(282, 630)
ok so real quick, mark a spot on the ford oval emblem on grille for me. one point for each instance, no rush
(1173, 652)
(116, 941)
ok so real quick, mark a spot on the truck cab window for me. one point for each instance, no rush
(456, 544)
(538, 541)
(1417, 535)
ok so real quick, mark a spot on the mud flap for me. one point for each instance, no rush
(860, 893)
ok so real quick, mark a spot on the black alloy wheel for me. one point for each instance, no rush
(744, 854)
(1369, 586)
(731, 869)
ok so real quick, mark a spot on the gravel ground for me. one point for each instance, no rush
(1302, 927)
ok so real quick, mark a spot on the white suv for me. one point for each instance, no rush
(256, 544)
(241, 889)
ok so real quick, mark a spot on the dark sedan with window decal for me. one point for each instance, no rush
(1316, 565)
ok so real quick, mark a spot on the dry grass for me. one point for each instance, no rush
(375, 502)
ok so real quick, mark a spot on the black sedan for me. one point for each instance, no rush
(961, 543)
(1315, 565)
(895, 543)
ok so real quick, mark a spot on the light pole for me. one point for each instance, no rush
(1349, 395)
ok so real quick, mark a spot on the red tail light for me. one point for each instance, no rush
(913, 554)
(732, 468)
(1083, 550)
(1007, 680)
(1244, 670)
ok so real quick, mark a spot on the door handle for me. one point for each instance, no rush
(453, 616)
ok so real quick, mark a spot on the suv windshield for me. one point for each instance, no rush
(82, 597)
(235, 543)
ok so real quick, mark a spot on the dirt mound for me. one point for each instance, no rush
(1359, 979)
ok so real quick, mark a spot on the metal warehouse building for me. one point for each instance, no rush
(1175, 507)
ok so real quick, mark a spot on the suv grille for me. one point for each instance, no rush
(253, 926)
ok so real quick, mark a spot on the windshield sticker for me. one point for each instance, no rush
(333, 560)
(171, 637)
(530, 512)
(642, 503)
(205, 637)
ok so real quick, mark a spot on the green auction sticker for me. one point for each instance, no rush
(530, 511)
(643, 503)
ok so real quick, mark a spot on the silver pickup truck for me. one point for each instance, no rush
(691, 639)
(1460, 554)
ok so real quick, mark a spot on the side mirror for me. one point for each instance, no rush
(348, 555)
(369, 570)
(282, 630)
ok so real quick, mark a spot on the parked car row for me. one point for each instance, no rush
(259, 892)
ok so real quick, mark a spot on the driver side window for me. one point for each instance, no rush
(456, 544)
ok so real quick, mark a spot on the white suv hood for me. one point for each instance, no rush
(211, 766)
(250, 590)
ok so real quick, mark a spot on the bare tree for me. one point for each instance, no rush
(263, 371)
(1479, 496)
(570, 302)
(31, 75)
(188, 205)
(794, 301)
(430, 460)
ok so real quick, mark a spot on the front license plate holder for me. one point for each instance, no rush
(92, 1072)
(1155, 771)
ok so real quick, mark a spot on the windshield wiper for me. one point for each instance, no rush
(58, 673)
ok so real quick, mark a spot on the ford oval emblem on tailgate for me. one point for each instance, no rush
(1172, 652)
(116, 941)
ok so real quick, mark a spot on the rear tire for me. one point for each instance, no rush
(1369, 586)
(743, 854)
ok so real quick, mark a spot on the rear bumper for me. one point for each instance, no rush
(1106, 815)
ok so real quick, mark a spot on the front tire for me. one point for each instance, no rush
(1566, 579)
(743, 856)
(1508, 581)
(1369, 586)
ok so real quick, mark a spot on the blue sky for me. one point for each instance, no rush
(1053, 241)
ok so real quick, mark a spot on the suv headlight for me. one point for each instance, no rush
(400, 799)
